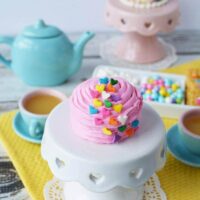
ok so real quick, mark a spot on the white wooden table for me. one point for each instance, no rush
(12, 88)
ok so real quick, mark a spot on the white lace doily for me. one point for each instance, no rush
(107, 52)
(152, 191)
(54, 190)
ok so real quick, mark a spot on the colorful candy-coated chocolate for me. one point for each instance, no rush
(93, 110)
(105, 112)
(175, 87)
(174, 101)
(129, 132)
(94, 94)
(135, 123)
(113, 81)
(107, 131)
(108, 104)
(149, 86)
(149, 98)
(113, 121)
(156, 89)
(162, 87)
(122, 119)
(154, 96)
(110, 88)
(161, 99)
(170, 91)
(168, 82)
(146, 96)
(104, 80)
(122, 128)
(150, 81)
(178, 101)
(167, 94)
(118, 108)
(161, 82)
(148, 91)
(98, 121)
(163, 92)
(180, 91)
(97, 103)
(168, 100)
(117, 138)
(105, 95)
(100, 88)
(115, 98)
(180, 96)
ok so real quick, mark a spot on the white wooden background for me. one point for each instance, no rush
(186, 42)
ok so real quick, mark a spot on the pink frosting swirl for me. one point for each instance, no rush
(91, 126)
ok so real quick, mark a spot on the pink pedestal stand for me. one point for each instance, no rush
(140, 26)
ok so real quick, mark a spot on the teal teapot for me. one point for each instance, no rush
(43, 55)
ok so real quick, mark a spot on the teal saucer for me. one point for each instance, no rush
(178, 149)
(21, 130)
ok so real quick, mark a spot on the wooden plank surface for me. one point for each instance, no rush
(12, 88)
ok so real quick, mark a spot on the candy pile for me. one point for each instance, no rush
(162, 90)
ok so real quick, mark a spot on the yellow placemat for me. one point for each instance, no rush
(26, 157)
(180, 182)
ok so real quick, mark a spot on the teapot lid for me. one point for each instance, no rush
(41, 30)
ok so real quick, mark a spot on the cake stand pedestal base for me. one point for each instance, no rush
(108, 53)
(140, 27)
(56, 189)
(140, 49)
(75, 191)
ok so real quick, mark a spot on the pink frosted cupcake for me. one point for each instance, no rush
(105, 110)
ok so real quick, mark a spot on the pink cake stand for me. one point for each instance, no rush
(139, 43)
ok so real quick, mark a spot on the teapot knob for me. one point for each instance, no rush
(40, 24)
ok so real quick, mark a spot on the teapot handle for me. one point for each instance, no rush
(8, 41)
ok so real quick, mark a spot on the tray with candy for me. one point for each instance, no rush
(164, 92)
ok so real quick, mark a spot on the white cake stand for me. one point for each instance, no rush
(103, 172)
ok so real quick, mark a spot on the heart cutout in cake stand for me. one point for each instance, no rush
(152, 190)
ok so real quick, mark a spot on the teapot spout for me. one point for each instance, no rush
(78, 51)
(9, 41)
(80, 44)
